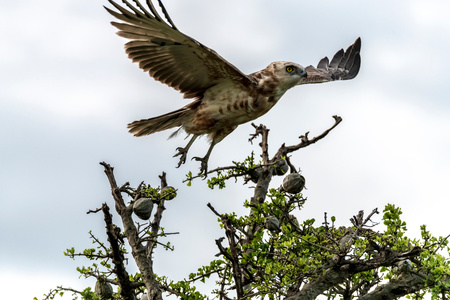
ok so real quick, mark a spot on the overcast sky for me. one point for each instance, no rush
(67, 91)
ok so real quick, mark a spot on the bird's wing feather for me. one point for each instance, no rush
(167, 54)
(344, 65)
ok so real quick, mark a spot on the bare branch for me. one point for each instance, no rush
(264, 132)
(396, 288)
(305, 141)
(233, 257)
(113, 232)
(155, 225)
(94, 211)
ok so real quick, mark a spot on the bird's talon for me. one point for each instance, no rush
(203, 165)
(182, 152)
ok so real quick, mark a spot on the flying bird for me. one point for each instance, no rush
(223, 97)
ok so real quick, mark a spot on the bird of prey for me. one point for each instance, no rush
(223, 97)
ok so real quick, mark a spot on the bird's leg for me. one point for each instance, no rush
(183, 151)
(204, 160)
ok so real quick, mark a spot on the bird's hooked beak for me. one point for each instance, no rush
(303, 73)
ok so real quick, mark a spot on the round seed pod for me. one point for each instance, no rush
(293, 183)
(103, 289)
(281, 168)
(168, 193)
(293, 220)
(272, 223)
(143, 208)
(403, 266)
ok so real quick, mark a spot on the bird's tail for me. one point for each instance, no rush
(156, 124)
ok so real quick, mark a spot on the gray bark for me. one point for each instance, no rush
(139, 252)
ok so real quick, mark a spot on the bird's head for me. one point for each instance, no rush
(278, 77)
(289, 74)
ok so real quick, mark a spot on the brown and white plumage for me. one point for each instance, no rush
(223, 96)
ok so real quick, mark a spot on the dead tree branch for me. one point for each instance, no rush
(139, 252)
(127, 289)
(230, 232)
(305, 141)
(151, 244)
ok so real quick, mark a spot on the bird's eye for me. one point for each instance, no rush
(289, 69)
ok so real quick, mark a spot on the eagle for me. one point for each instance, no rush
(223, 96)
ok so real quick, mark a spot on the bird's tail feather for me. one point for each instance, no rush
(160, 123)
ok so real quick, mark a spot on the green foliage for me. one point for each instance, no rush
(391, 218)
(275, 261)
(205, 272)
(152, 193)
(88, 294)
(168, 193)
(184, 289)
(218, 180)
(248, 167)
(156, 194)
(100, 256)
(435, 259)
(70, 252)
(189, 178)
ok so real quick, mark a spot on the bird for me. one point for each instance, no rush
(222, 96)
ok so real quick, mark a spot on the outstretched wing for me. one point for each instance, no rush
(167, 54)
(343, 66)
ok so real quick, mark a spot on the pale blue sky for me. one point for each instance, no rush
(68, 91)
